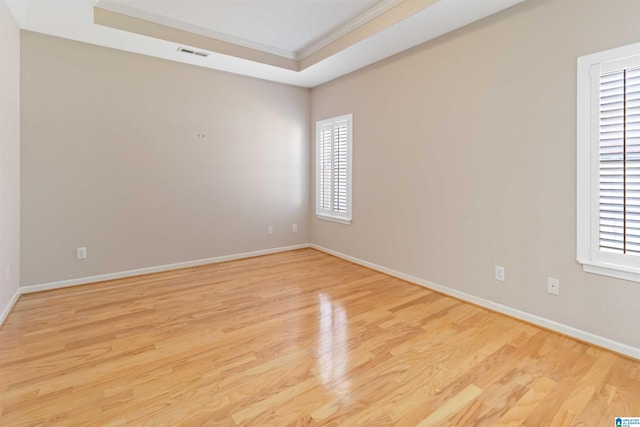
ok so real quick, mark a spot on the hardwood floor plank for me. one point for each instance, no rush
(537, 392)
(276, 341)
(451, 407)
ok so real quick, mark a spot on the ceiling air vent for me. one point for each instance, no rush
(193, 52)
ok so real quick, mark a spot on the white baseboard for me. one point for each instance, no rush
(7, 309)
(137, 272)
(561, 328)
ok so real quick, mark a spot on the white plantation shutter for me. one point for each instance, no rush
(620, 162)
(608, 208)
(333, 164)
(325, 169)
(340, 166)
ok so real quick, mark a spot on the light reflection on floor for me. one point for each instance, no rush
(333, 350)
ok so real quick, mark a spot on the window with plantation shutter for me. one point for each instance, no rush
(333, 168)
(609, 162)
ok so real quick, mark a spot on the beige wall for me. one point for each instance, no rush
(111, 161)
(465, 157)
(9, 157)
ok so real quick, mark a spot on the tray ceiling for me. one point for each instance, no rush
(298, 42)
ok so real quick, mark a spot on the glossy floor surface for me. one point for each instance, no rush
(294, 339)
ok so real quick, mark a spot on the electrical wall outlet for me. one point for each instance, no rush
(270, 229)
(294, 228)
(81, 253)
(499, 273)
(553, 286)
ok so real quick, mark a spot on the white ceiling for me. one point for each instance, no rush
(280, 26)
(289, 28)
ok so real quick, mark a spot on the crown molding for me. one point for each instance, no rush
(345, 29)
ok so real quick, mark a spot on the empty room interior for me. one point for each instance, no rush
(320, 213)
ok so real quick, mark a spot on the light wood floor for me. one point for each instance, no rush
(294, 339)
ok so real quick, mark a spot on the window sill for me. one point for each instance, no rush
(334, 219)
(612, 270)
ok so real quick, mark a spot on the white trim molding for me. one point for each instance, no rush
(147, 270)
(560, 328)
(9, 307)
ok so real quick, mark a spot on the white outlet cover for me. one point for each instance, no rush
(553, 286)
(81, 253)
(499, 273)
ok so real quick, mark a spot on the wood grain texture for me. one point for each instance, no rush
(294, 339)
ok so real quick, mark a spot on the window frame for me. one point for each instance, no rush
(594, 260)
(333, 215)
